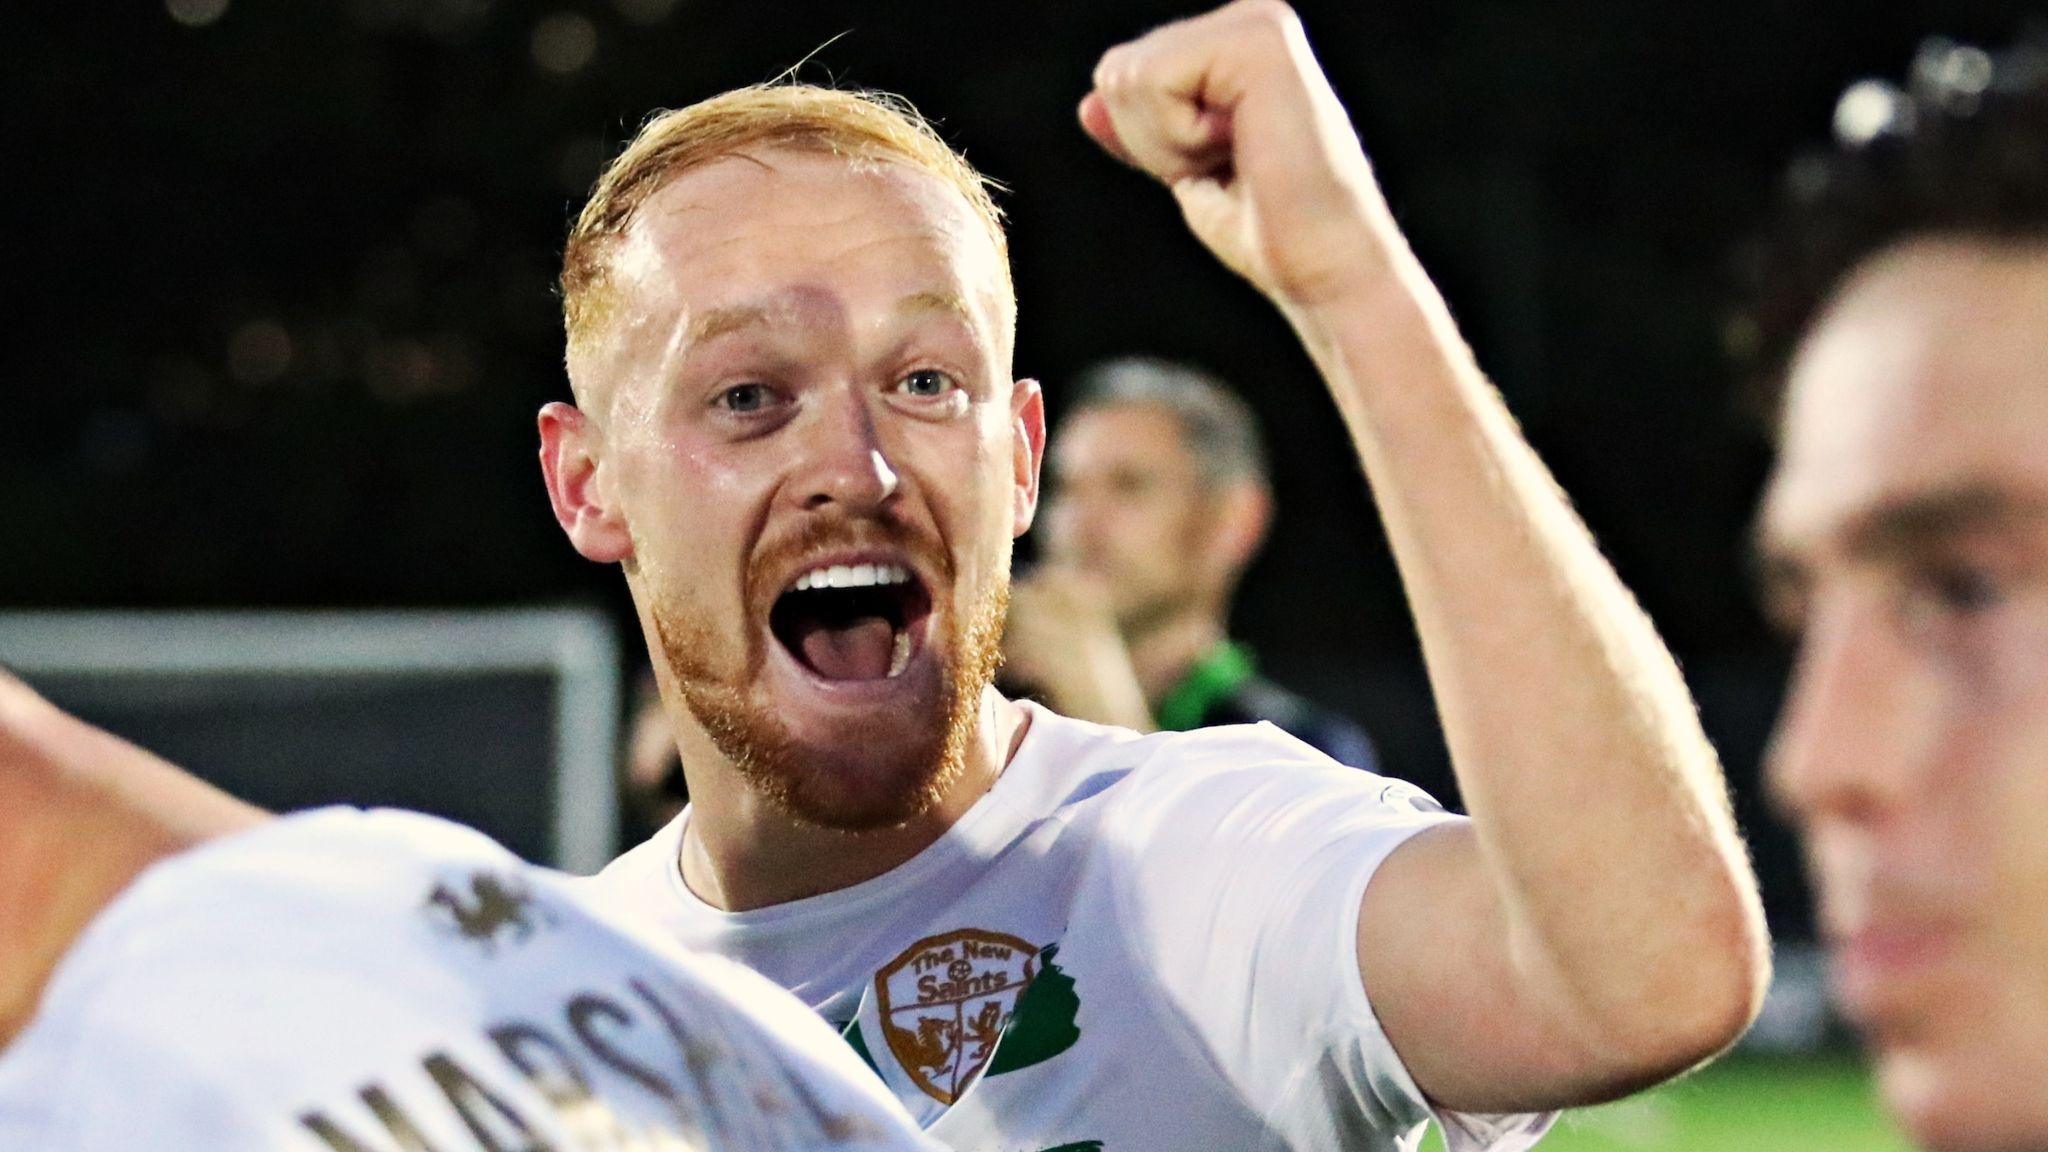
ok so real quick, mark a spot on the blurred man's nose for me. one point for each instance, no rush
(845, 462)
(1847, 743)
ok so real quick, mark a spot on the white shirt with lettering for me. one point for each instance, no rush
(348, 981)
(1130, 943)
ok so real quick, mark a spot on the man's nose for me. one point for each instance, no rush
(846, 464)
(1074, 523)
(1853, 730)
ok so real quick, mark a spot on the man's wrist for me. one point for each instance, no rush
(1392, 332)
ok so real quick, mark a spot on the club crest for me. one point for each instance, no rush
(943, 1004)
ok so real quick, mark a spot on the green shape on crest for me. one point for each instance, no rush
(859, 1044)
(1042, 1027)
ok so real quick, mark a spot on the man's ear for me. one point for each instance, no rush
(570, 451)
(1244, 513)
(1027, 426)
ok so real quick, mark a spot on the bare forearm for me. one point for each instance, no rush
(1600, 809)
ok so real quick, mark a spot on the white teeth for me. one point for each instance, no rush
(852, 576)
(899, 654)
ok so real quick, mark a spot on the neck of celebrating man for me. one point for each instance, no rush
(741, 851)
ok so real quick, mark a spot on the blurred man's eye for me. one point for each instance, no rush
(1784, 592)
(1966, 589)
(1786, 608)
(1951, 592)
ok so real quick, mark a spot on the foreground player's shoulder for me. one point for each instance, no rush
(318, 869)
(331, 899)
(342, 975)
(220, 979)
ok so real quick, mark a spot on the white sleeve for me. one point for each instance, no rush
(1244, 857)
(131, 1085)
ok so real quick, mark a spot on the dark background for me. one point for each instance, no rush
(280, 311)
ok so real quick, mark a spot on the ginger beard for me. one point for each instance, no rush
(878, 771)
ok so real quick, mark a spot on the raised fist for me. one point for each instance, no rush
(1231, 111)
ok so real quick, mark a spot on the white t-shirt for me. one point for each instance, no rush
(1129, 943)
(346, 981)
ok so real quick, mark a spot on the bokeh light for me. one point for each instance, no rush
(646, 12)
(1867, 110)
(259, 353)
(564, 42)
(196, 13)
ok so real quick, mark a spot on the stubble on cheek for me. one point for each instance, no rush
(747, 735)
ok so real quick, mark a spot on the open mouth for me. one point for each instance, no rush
(852, 621)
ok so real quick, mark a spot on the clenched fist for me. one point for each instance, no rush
(1231, 111)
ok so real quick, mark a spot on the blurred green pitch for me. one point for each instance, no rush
(1744, 1104)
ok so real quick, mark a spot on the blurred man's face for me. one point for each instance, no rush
(822, 459)
(1905, 537)
(1128, 505)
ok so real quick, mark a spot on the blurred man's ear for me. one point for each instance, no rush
(1243, 514)
(571, 462)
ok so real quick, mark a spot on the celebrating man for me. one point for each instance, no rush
(790, 326)
(1904, 538)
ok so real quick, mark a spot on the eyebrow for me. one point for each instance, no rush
(936, 300)
(1903, 524)
(726, 321)
(735, 318)
(1900, 527)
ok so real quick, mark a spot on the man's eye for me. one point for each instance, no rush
(926, 382)
(744, 398)
(1786, 608)
(1966, 590)
(1952, 593)
(1129, 485)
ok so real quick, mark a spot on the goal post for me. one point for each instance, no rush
(506, 719)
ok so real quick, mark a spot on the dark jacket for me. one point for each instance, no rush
(1224, 687)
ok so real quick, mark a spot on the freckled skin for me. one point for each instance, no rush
(1913, 751)
(862, 313)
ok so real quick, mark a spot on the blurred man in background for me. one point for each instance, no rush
(1904, 539)
(790, 328)
(1159, 500)
(181, 970)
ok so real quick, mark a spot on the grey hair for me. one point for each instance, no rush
(1215, 423)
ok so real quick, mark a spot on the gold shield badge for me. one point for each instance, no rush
(944, 1002)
